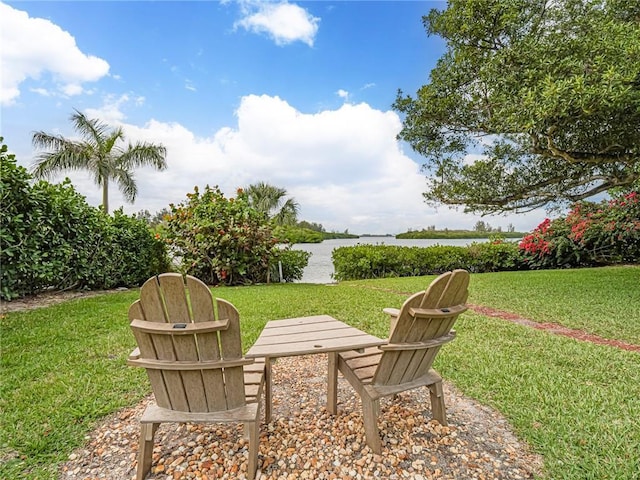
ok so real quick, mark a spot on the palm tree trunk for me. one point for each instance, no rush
(105, 195)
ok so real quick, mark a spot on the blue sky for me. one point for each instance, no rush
(297, 94)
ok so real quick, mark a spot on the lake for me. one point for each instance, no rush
(320, 267)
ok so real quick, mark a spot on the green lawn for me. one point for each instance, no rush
(577, 404)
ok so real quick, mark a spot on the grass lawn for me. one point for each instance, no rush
(577, 404)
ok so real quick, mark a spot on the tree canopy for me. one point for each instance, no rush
(100, 152)
(535, 103)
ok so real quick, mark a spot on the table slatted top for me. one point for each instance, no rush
(308, 335)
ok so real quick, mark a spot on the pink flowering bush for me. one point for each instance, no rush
(591, 234)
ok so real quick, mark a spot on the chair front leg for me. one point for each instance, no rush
(254, 440)
(370, 409)
(267, 389)
(145, 450)
(438, 408)
(332, 384)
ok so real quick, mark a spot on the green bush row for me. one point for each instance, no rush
(51, 238)
(379, 261)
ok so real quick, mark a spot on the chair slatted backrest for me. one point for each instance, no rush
(193, 357)
(423, 325)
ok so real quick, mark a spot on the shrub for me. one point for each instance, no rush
(495, 256)
(293, 263)
(380, 261)
(20, 259)
(139, 252)
(220, 240)
(591, 234)
(51, 238)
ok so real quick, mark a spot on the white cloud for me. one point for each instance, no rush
(111, 110)
(41, 91)
(344, 167)
(343, 94)
(284, 22)
(33, 46)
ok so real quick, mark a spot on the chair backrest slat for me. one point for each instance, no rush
(202, 310)
(395, 367)
(175, 299)
(231, 350)
(145, 341)
(171, 298)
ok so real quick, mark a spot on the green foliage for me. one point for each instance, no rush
(453, 234)
(293, 235)
(380, 261)
(136, 253)
(16, 244)
(51, 238)
(591, 234)
(546, 96)
(311, 226)
(495, 256)
(273, 203)
(292, 262)
(220, 240)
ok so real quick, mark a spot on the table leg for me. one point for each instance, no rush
(332, 383)
(267, 390)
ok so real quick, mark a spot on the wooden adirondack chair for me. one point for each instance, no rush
(418, 330)
(194, 362)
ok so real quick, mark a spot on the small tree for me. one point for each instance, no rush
(221, 240)
(481, 226)
(100, 153)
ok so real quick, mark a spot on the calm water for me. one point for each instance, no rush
(320, 267)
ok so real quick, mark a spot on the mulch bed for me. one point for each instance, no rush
(303, 441)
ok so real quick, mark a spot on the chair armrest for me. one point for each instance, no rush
(419, 345)
(437, 312)
(161, 328)
(393, 312)
(189, 365)
(393, 318)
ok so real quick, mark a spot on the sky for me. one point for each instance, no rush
(295, 94)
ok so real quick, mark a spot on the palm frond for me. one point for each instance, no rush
(126, 182)
(92, 130)
(144, 154)
(67, 155)
(109, 143)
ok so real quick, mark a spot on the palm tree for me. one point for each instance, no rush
(99, 153)
(271, 201)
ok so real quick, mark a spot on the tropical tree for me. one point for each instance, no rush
(535, 103)
(100, 152)
(272, 202)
